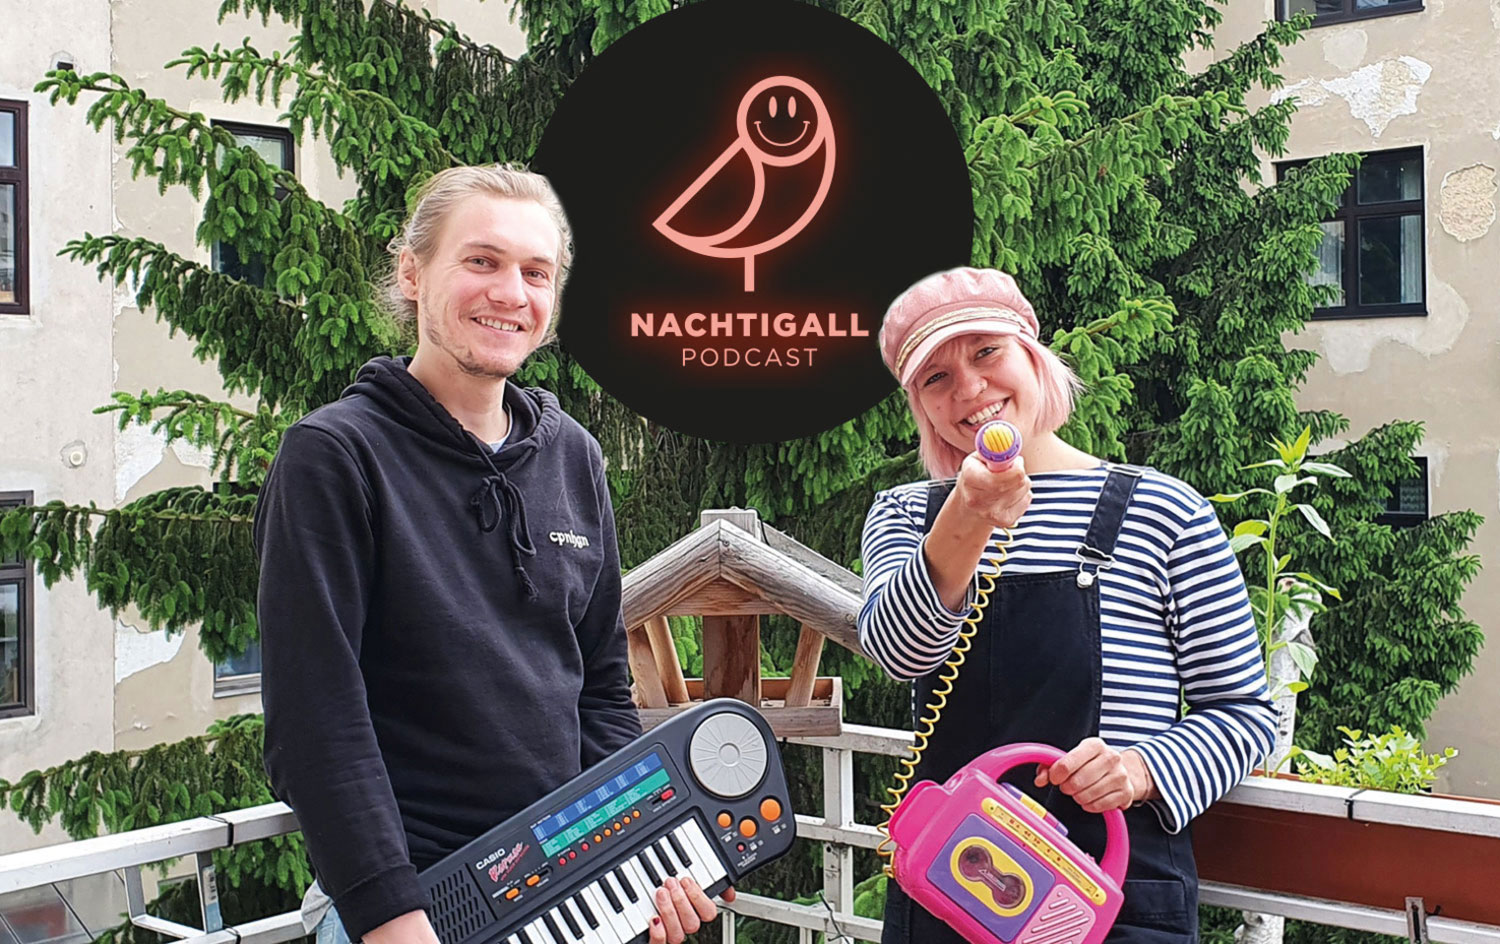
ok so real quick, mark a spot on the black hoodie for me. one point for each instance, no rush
(440, 629)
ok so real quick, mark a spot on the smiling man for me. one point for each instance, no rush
(433, 662)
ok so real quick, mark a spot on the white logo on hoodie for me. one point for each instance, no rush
(568, 538)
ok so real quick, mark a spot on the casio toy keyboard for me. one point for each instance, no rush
(701, 795)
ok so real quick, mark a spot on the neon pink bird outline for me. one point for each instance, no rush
(713, 245)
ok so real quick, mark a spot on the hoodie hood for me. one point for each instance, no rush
(536, 418)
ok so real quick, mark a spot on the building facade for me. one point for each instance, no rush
(1412, 85)
(73, 679)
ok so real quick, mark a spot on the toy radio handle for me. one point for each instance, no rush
(998, 762)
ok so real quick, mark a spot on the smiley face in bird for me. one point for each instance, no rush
(780, 121)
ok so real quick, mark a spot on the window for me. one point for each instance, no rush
(274, 145)
(1407, 505)
(239, 675)
(16, 608)
(13, 275)
(1326, 12)
(1374, 247)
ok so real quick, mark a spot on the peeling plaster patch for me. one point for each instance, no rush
(137, 452)
(200, 457)
(1495, 13)
(1496, 133)
(1346, 48)
(1382, 91)
(1347, 345)
(136, 651)
(1468, 202)
(1308, 94)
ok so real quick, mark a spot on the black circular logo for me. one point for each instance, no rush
(750, 183)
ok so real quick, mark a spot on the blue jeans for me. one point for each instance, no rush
(331, 930)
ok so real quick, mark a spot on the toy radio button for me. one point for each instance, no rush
(770, 809)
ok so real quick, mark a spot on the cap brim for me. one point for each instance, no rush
(941, 336)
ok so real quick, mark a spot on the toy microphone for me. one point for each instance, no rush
(998, 443)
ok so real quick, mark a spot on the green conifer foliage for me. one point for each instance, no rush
(1123, 192)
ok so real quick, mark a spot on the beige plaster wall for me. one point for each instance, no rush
(1420, 79)
(54, 369)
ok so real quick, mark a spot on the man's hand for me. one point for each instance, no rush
(1099, 777)
(682, 908)
(410, 928)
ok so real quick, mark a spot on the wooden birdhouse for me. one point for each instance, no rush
(732, 571)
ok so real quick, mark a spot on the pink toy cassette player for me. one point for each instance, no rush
(996, 866)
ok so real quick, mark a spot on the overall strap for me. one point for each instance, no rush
(937, 493)
(1096, 553)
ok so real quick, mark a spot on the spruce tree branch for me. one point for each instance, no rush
(242, 66)
(446, 30)
(93, 511)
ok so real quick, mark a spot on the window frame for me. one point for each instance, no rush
(24, 574)
(18, 175)
(1409, 519)
(288, 162)
(228, 686)
(1351, 13)
(1351, 213)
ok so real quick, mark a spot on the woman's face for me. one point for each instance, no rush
(974, 378)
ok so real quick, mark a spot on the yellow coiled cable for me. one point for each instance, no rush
(934, 710)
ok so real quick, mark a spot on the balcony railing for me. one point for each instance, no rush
(835, 828)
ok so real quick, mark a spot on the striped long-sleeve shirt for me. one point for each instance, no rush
(1175, 624)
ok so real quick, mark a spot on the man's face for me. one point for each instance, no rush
(486, 295)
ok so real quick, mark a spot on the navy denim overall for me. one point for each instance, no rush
(1034, 674)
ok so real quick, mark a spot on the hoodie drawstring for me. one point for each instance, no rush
(498, 498)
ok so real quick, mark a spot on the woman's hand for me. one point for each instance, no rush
(997, 498)
(681, 909)
(1099, 777)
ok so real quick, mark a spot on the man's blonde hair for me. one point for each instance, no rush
(441, 193)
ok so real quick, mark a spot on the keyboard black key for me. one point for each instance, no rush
(682, 855)
(583, 909)
(567, 917)
(659, 847)
(645, 865)
(607, 886)
(552, 926)
(525, 938)
(625, 884)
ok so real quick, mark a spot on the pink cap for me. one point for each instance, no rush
(945, 305)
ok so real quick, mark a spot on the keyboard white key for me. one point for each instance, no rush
(625, 882)
(698, 869)
(570, 909)
(537, 932)
(611, 927)
(645, 894)
(706, 854)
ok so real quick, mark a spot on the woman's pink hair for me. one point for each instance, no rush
(1058, 385)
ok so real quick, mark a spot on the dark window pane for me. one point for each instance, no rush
(10, 643)
(247, 663)
(1390, 260)
(39, 916)
(275, 149)
(228, 261)
(1315, 7)
(1409, 498)
(8, 243)
(1387, 179)
(1376, 4)
(8, 139)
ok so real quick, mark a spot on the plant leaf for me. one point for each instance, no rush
(1316, 520)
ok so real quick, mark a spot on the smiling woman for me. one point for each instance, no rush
(1113, 577)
